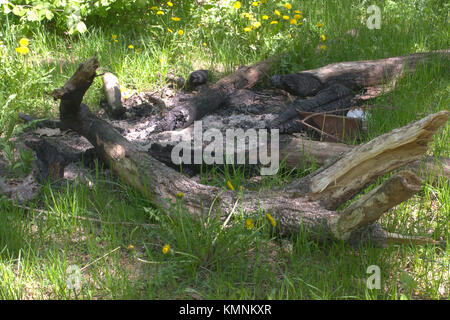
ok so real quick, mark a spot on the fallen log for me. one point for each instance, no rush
(353, 75)
(302, 204)
(335, 86)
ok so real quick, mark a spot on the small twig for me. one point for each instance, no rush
(105, 255)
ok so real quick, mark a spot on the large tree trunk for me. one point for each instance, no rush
(307, 203)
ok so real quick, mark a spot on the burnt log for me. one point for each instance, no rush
(353, 75)
(307, 203)
(216, 95)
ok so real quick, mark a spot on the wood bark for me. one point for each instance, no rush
(307, 203)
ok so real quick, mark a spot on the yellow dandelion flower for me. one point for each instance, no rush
(255, 4)
(286, 17)
(130, 46)
(237, 5)
(265, 17)
(114, 36)
(323, 47)
(300, 23)
(274, 22)
(170, 30)
(22, 50)
(180, 32)
(319, 24)
(271, 219)
(288, 6)
(23, 42)
(297, 11)
(130, 247)
(323, 37)
(154, 8)
(176, 19)
(160, 12)
(170, 4)
(257, 24)
(166, 249)
(249, 224)
(204, 44)
(180, 195)
(277, 13)
(228, 182)
(297, 16)
(293, 21)
(115, 40)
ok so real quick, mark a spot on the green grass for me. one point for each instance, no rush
(61, 226)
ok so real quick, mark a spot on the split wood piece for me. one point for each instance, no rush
(211, 98)
(361, 166)
(354, 75)
(114, 107)
(292, 209)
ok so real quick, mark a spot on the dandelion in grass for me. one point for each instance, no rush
(247, 29)
(170, 4)
(237, 5)
(278, 13)
(154, 8)
(23, 42)
(166, 249)
(271, 219)
(230, 186)
(255, 4)
(297, 11)
(297, 16)
(176, 19)
(300, 23)
(286, 17)
(322, 37)
(274, 22)
(323, 47)
(130, 46)
(22, 50)
(180, 32)
(204, 44)
(160, 12)
(288, 6)
(319, 24)
(180, 195)
(265, 17)
(130, 247)
(170, 30)
(115, 40)
(293, 21)
(114, 36)
(257, 24)
(249, 224)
